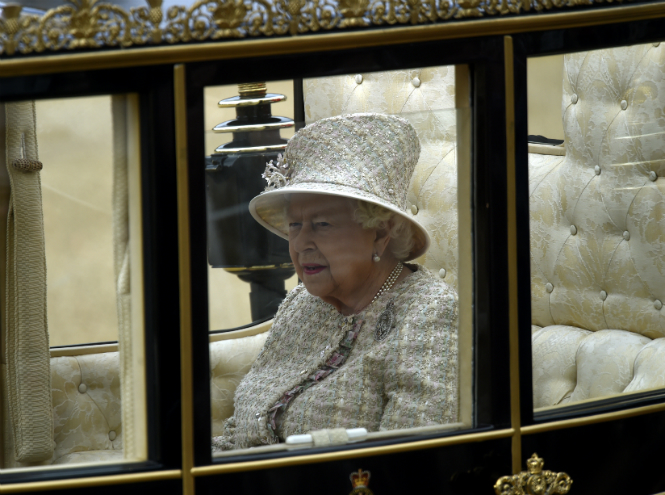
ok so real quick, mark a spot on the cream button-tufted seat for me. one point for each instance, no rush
(86, 408)
(598, 232)
(87, 411)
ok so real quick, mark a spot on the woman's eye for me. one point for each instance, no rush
(322, 224)
(294, 225)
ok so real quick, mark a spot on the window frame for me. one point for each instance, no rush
(484, 56)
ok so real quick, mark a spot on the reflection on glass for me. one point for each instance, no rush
(597, 227)
(78, 217)
(369, 341)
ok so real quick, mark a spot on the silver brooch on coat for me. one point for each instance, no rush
(277, 174)
(385, 323)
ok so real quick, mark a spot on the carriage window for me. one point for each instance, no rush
(352, 225)
(596, 163)
(71, 274)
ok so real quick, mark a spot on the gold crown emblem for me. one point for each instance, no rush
(535, 481)
(360, 480)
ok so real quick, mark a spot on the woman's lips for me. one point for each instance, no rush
(312, 268)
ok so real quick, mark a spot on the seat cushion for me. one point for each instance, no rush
(554, 364)
(605, 361)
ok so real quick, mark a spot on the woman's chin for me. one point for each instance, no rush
(314, 287)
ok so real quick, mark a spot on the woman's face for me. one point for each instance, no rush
(331, 252)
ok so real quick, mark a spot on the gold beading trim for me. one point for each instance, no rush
(92, 24)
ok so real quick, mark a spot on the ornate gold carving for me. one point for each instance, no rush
(91, 24)
(535, 481)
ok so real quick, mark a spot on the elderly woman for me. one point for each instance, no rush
(366, 340)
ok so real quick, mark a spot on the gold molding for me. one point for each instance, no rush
(351, 454)
(93, 24)
(186, 374)
(589, 420)
(36, 486)
(511, 207)
(22, 66)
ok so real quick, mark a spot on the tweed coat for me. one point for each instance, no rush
(409, 379)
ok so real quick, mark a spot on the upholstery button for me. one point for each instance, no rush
(653, 176)
(112, 435)
(358, 79)
(549, 287)
(416, 82)
(442, 273)
(573, 230)
(258, 415)
(83, 388)
(624, 104)
(414, 209)
(574, 98)
(597, 169)
(657, 304)
(603, 295)
(626, 235)
(390, 191)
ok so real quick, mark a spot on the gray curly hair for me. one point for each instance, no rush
(373, 216)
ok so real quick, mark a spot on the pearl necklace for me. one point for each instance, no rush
(388, 284)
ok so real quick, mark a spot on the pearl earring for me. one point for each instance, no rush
(376, 258)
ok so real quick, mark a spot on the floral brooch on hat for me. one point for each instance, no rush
(277, 174)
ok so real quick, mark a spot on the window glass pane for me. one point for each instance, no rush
(72, 282)
(336, 356)
(597, 224)
(78, 219)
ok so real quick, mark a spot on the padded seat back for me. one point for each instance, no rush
(598, 230)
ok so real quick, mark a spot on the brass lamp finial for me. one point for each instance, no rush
(252, 90)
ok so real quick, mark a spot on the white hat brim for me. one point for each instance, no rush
(269, 209)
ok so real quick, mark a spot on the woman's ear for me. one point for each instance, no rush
(381, 241)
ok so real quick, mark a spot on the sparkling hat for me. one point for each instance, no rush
(366, 156)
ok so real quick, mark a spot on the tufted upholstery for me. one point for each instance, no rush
(86, 407)
(598, 232)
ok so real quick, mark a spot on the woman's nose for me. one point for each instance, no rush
(302, 240)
